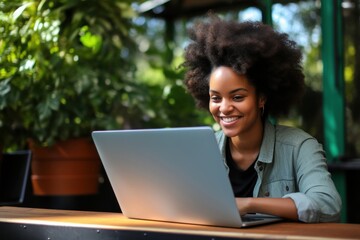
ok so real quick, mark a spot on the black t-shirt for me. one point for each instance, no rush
(242, 182)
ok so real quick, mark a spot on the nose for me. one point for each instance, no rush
(225, 106)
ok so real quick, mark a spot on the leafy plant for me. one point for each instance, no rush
(67, 68)
(72, 66)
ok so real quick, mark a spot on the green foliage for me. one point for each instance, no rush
(69, 67)
(66, 69)
(159, 68)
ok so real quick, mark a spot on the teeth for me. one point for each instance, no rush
(229, 119)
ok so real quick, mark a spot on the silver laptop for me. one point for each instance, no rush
(171, 174)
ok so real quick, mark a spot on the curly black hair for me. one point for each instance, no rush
(269, 59)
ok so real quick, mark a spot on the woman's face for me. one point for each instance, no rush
(233, 102)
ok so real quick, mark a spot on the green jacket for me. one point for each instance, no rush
(292, 164)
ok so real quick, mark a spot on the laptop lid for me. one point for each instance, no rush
(169, 174)
(14, 172)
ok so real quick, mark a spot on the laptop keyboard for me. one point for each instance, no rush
(250, 219)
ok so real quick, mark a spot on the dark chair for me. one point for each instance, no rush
(14, 173)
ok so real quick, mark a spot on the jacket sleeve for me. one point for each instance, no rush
(317, 199)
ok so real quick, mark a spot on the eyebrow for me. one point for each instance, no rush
(232, 91)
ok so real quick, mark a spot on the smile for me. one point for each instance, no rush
(229, 119)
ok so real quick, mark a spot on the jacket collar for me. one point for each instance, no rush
(268, 144)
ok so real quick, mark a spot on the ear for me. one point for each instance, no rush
(262, 101)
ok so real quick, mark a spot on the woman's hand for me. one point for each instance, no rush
(243, 205)
(281, 207)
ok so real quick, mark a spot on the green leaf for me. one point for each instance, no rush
(4, 87)
(20, 10)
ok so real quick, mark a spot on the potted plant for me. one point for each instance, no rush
(67, 69)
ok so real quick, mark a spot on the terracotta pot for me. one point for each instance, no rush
(69, 167)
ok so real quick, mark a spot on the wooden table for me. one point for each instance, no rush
(32, 223)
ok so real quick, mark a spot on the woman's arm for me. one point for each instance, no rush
(281, 207)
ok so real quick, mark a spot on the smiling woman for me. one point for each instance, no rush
(242, 73)
(234, 103)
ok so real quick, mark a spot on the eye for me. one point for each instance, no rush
(238, 98)
(215, 99)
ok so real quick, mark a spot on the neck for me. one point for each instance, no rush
(246, 147)
(250, 140)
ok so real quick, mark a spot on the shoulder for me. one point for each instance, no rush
(291, 135)
(299, 142)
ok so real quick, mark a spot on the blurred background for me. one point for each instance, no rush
(69, 67)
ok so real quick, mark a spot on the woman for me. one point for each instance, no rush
(243, 72)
